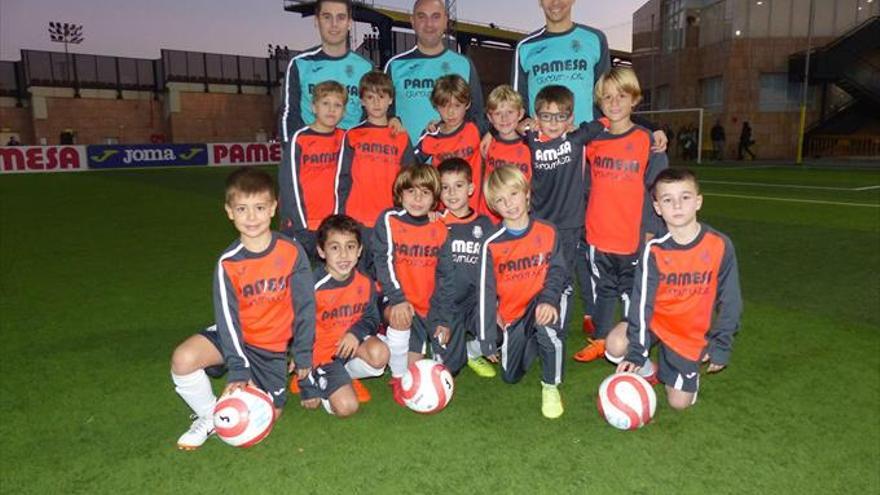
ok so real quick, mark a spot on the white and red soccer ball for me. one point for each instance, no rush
(244, 417)
(626, 401)
(427, 386)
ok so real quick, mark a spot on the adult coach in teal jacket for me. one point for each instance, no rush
(332, 60)
(414, 71)
(564, 53)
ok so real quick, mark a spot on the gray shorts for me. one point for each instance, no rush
(675, 370)
(268, 369)
(323, 380)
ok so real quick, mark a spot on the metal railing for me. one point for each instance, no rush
(851, 146)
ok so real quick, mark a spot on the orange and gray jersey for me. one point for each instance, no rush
(516, 270)
(620, 171)
(265, 300)
(406, 255)
(678, 290)
(342, 307)
(308, 178)
(435, 147)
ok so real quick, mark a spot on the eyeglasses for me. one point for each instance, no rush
(553, 117)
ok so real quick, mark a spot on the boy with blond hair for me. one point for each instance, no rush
(308, 172)
(620, 170)
(522, 277)
(504, 110)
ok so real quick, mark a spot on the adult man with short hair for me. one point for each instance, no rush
(332, 60)
(414, 71)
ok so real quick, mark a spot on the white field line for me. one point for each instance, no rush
(788, 186)
(791, 200)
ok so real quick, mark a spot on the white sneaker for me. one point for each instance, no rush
(202, 427)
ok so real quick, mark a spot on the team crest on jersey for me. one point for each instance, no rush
(575, 45)
(539, 239)
(705, 257)
(279, 263)
(349, 70)
(445, 67)
(629, 147)
(477, 232)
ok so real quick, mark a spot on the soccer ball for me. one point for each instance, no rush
(626, 401)
(244, 417)
(427, 386)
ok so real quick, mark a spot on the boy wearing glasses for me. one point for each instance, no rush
(557, 172)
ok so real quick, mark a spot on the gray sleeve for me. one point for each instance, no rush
(442, 303)
(520, 80)
(556, 278)
(291, 208)
(601, 68)
(487, 302)
(229, 327)
(343, 188)
(408, 157)
(729, 304)
(302, 291)
(651, 221)
(383, 262)
(644, 289)
(290, 114)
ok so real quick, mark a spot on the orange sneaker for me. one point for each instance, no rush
(594, 350)
(589, 328)
(294, 386)
(361, 391)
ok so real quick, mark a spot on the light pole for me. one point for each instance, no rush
(67, 33)
(800, 147)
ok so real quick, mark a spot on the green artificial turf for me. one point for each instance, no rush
(103, 273)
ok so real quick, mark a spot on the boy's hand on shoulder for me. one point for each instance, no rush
(433, 126)
(310, 403)
(546, 314)
(400, 315)
(660, 142)
(433, 216)
(524, 125)
(347, 346)
(396, 126)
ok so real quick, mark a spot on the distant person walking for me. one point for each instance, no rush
(745, 141)
(12, 141)
(718, 140)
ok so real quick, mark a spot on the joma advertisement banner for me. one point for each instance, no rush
(102, 156)
(22, 159)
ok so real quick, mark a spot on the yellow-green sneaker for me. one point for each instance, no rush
(482, 367)
(551, 402)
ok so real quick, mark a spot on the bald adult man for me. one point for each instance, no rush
(332, 60)
(414, 71)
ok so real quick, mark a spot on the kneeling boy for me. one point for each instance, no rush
(684, 278)
(523, 274)
(264, 305)
(347, 320)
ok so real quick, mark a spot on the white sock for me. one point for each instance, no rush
(647, 369)
(473, 349)
(613, 359)
(358, 368)
(398, 344)
(195, 390)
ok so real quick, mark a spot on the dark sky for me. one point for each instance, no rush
(140, 28)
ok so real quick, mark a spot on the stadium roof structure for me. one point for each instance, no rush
(467, 32)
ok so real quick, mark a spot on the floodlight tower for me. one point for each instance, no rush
(67, 33)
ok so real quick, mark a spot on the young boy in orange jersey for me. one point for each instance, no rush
(406, 254)
(346, 348)
(308, 172)
(620, 171)
(373, 152)
(504, 110)
(455, 137)
(264, 306)
(522, 277)
(687, 296)
(467, 231)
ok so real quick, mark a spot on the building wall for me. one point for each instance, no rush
(221, 116)
(737, 41)
(15, 120)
